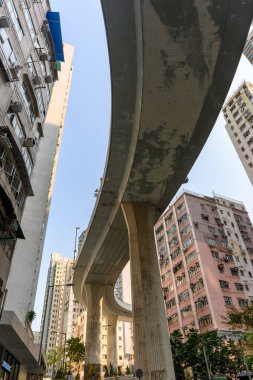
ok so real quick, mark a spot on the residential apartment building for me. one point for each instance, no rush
(205, 252)
(33, 76)
(123, 292)
(238, 113)
(61, 308)
(59, 305)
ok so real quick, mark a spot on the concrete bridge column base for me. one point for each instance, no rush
(112, 357)
(93, 368)
(151, 342)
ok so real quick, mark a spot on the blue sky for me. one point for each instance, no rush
(86, 132)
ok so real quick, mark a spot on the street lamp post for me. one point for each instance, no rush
(43, 325)
(77, 228)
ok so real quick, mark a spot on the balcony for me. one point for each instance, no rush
(19, 160)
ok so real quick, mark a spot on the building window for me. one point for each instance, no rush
(7, 48)
(234, 271)
(242, 302)
(228, 301)
(224, 284)
(180, 208)
(173, 319)
(205, 217)
(187, 242)
(238, 287)
(175, 254)
(191, 257)
(182, 219)
(186, 311)
(28, 18)
(170, 303)
(215, 254)
(220, 268)
(27, 159)
(183, 296)
(246, 156)
(15, 19)
(241, 272)
(40, 103)
(171, 230)
(205, 320)
(28, 102)
(246, 287)
(185, 230)
(211, 229)
(197, 286)
(201, 302)
(16, 126)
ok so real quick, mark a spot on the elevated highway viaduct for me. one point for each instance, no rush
(171, 63)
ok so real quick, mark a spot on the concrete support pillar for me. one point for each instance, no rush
(92, 367)
(151, 342)
(112, 347)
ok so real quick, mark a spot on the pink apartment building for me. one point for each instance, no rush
(205, 252)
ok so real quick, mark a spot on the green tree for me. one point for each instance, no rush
(29, 317)
(75, 351)
(178, 348)
(55, 356)
(243, 320)
(222, 356)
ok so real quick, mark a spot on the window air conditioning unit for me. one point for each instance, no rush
(14, 71)
(4, 140)
(14, 224)
(48, 79)
(5, 22)
(43, 57)
(16, 107)
(29, 142)
(37, 80)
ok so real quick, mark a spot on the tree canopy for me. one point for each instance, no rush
(75, 350)
(222, 357)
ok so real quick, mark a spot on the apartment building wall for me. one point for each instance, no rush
(23, 279)
(23, 106)
(72, 308)
(204, 248)
(238, 114)
(127, 326)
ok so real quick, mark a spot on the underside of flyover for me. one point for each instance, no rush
(172, 63)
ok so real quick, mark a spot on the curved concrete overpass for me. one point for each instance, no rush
(172, 63)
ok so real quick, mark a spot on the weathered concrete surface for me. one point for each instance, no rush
(94, 319)
(152, 351)
(112, 357)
